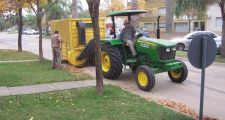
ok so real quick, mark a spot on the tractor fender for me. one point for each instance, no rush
(112, 42)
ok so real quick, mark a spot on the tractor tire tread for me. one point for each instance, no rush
(116, 62)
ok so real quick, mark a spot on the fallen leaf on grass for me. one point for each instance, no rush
(31, 118)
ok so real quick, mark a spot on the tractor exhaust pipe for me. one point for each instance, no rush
(158, 29)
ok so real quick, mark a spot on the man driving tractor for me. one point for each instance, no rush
(128, 36)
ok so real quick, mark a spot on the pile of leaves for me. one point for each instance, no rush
(178, 106)
(72, 69)
(183, 108)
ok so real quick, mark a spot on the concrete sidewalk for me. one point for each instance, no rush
(20, 90)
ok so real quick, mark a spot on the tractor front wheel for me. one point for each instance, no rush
(111, 62)
(179, 75)
(145, 78)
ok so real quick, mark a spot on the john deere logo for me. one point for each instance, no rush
(144, 45)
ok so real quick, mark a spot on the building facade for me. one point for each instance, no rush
(211, 22)
(214, 19)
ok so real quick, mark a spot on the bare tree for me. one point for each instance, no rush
(94, 13)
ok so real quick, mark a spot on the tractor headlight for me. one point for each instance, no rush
(174, 48)
(167, 49)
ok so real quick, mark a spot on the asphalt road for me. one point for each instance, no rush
(187, 92)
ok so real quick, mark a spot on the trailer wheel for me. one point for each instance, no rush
(111, 62)
(179, 75)
(145, 78)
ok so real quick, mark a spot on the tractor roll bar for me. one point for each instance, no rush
(113, 27)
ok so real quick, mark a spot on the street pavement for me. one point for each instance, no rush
(188, 92)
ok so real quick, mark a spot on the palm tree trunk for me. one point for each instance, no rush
(75, 9)
(20, 30)
(134, 6)
(222, 50)
(169, 16)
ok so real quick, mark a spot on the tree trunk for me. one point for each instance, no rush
(222, 50)
(39, 20)
(94, 12)
(169, 16)
(20, 29)
(46, 24)
(134, 21)
(75, 9)
(189, 25)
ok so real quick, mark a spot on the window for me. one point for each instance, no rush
(162, 25)
(162, 11)
(219, 22)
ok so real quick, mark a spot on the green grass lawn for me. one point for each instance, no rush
(27, 73)
(15, 55)
(184, 55)
(85, 104)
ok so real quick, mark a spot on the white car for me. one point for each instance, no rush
(183, 43)
(30, 32)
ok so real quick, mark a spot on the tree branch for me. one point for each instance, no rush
(32, 7)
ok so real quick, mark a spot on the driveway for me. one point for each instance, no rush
(188, 92)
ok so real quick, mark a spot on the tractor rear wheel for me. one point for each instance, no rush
(145, 78)
(111, 62)
(179, 75)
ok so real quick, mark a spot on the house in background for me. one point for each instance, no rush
(211, 22)
(214, 19)
(154, 9)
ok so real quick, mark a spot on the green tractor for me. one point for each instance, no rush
(153, 56)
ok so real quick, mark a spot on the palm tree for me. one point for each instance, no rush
(169, 17)
(200, 6)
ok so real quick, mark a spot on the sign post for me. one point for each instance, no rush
(201, 54)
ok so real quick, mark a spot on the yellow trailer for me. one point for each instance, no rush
(76, 34)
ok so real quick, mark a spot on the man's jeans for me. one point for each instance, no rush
(131, 45)
(56, 58)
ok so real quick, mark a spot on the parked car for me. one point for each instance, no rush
(30, 32)
(143, 33)
(183, 43)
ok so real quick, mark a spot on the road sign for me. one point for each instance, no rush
(195, 50)
(201, 54)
